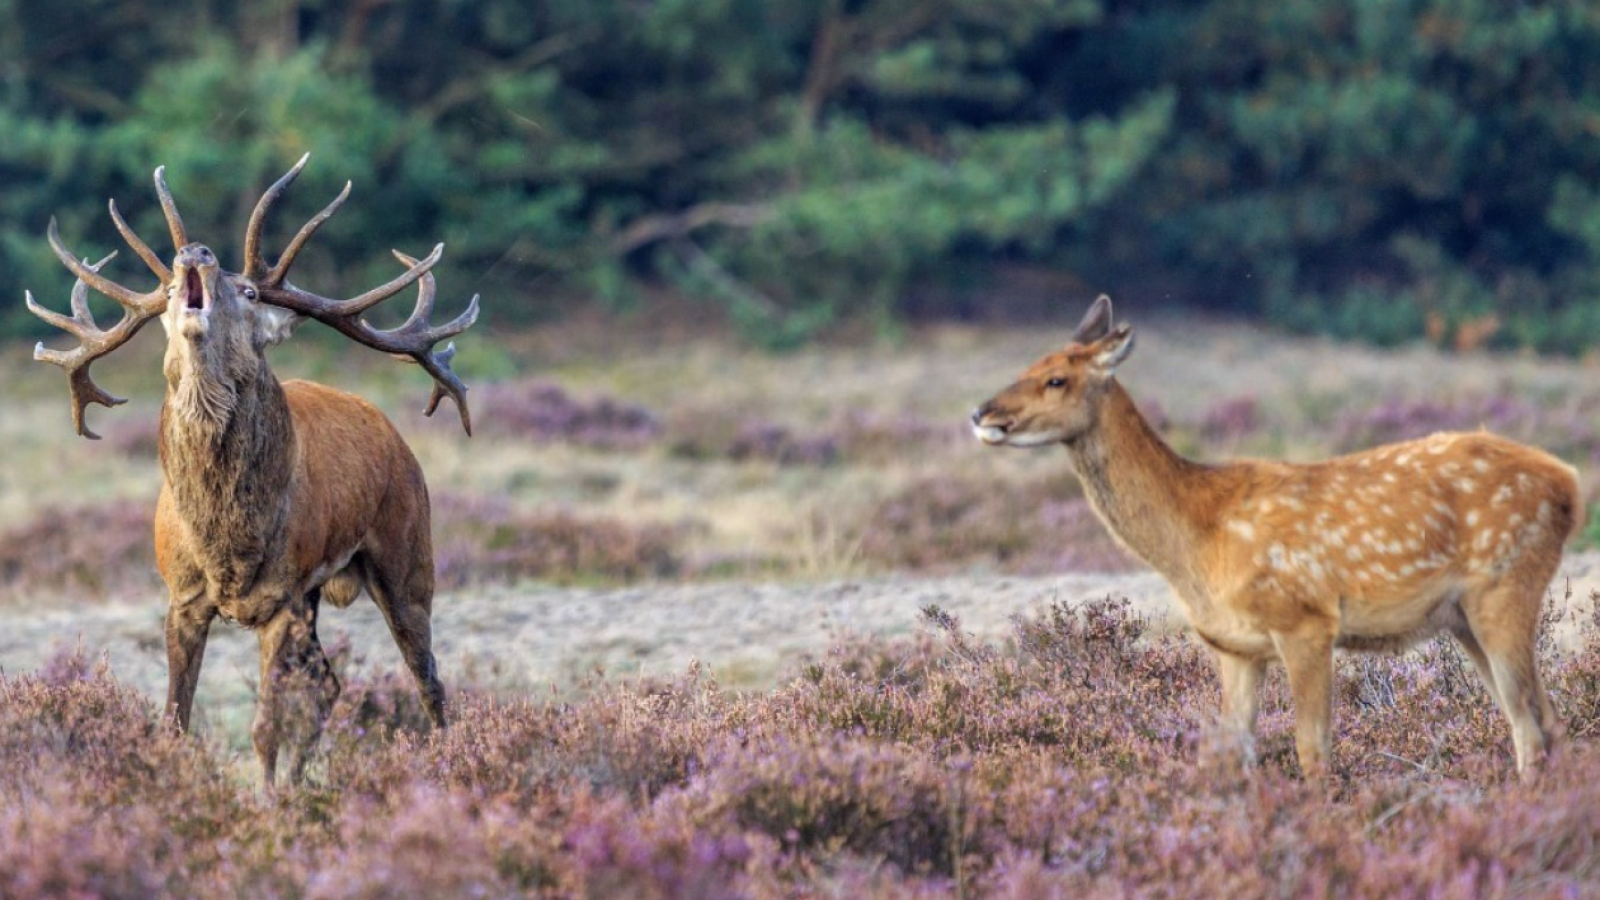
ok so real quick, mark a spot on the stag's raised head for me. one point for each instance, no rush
(207, 304)
(1058, 398)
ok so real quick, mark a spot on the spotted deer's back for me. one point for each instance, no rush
(1399, 524)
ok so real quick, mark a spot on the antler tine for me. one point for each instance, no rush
(151, 303)
(93, 344)
(281, 270)
(180, 238)
(427, 289)
(306, 303)
(445, 380)
(254, 265)
(413, 340)
(140, 247)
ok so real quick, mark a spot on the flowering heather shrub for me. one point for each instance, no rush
(1072, 760)
(829, 792)
(54, 844)
(774, 443)
(480, 539)
(614, 852)
(858, 437)
(96, 792)
(940, 524)
(90, 552)
(541, 411)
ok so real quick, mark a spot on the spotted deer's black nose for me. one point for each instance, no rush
(981, 417)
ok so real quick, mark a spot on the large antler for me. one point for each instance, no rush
(137, 308)
(414, 339)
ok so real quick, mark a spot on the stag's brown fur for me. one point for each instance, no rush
(1457, 533)
(323, 497)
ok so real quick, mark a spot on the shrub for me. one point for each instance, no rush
(91, 552)
(541, 411)
(941, 523)
(478, 540)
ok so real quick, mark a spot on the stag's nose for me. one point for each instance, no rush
(196, 255)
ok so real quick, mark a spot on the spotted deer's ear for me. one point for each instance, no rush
(1111, 350)
(1096, 322)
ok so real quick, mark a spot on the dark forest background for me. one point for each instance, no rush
(1382, 169)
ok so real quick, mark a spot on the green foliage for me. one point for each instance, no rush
(1377, 163)
(1368, 168)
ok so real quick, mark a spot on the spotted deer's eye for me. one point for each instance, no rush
(249, 292)
(1056, 383)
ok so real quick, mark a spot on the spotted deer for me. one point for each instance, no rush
(1457, 533)
(275, 497)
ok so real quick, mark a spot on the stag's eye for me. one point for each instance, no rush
(249, 292)
(1056, 383)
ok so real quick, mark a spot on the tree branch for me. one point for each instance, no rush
(669, 226)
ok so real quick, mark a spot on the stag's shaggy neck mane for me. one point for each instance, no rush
(1157, 503)
(227, 453)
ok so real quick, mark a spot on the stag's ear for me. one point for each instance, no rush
(274, 324)
(1096, 322)
(1111, 350)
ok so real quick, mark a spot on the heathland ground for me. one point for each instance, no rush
(750, 548)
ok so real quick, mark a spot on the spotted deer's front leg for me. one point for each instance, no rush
(1307, 654)
(1241, 702)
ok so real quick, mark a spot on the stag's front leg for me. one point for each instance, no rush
(313, 678)
(292, 666)
(188, 624)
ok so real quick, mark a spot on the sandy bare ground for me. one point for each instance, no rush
(539, 637)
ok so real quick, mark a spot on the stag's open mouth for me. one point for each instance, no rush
(194, 291)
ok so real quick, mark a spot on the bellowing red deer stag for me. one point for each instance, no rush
(275, 497)
(1456, 533)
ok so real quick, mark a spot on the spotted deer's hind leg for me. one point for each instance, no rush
(1503, 620)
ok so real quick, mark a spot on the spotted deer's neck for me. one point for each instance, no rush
(1155, 502)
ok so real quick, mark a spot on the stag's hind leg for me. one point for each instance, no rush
(406, 599)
